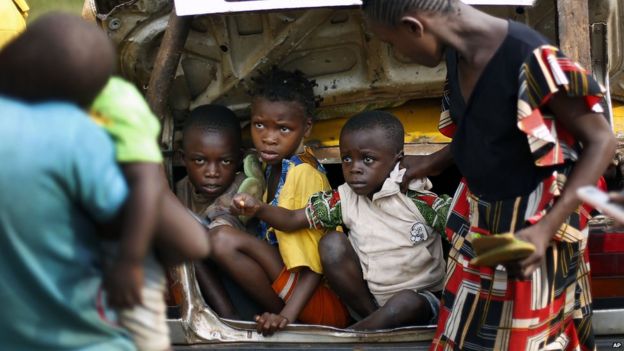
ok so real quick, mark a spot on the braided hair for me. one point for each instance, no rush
(279, 85)
(389, 12)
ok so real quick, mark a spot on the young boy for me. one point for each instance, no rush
(212, 153)
(122, 111)
(285, 280)
(387, 229)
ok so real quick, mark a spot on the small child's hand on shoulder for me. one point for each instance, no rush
(245, 205)
(268, 323)
(123, 283)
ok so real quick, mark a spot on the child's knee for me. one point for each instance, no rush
(410, 304)
(221, 241)
(333, 247)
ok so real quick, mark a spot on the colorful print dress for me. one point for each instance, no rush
(515, 159)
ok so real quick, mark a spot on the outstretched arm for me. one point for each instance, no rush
(278, 217)
(593, 131)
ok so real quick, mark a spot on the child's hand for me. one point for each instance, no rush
(269, 323)
(123, 283)
(245, 205)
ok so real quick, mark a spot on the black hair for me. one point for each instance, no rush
(214, 119)
(279, 85)
(59, 57)
(391, 126)
(389, 12)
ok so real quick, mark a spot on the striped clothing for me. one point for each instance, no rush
(481, 308)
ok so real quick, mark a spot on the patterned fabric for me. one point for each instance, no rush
(545, 73)
(483, 309)
(324, 210)
(265, 231)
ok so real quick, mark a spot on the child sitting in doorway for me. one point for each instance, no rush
(213, 154)
(282, 270)
(390, 269)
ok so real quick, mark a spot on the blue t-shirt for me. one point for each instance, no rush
(58, 176)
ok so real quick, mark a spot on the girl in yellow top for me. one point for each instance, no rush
(282, 271)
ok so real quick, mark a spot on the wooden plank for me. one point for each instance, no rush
(573, 30)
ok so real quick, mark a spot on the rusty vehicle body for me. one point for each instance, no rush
(208, 52)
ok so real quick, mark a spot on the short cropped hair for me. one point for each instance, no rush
(59, 57)
(280, 85)
(389, 12)
(213, 119)
(386, 121)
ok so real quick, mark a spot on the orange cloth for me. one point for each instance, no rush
(323, 308)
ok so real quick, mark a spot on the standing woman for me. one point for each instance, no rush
(527, 131)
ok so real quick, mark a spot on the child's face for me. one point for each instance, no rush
(211, 161)
(366, 160)
(419, 46)
(278, 128)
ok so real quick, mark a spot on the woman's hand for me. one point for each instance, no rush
(420, 166)
(540, 235)
(268, 323)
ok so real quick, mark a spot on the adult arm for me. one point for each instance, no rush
(594, 133)
(420, 166)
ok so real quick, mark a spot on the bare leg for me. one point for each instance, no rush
(404, 308)
(213, 291)
(252, 263)
(341, 267)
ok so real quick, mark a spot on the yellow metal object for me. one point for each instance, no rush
(419, 117)
(618, 119)
(13, 15)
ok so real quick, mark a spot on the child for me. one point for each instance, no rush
(387, 229)
(527, 132)
(125, 115)
(212, 153)
(285, 280)
(135, 280)
(60, 179)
